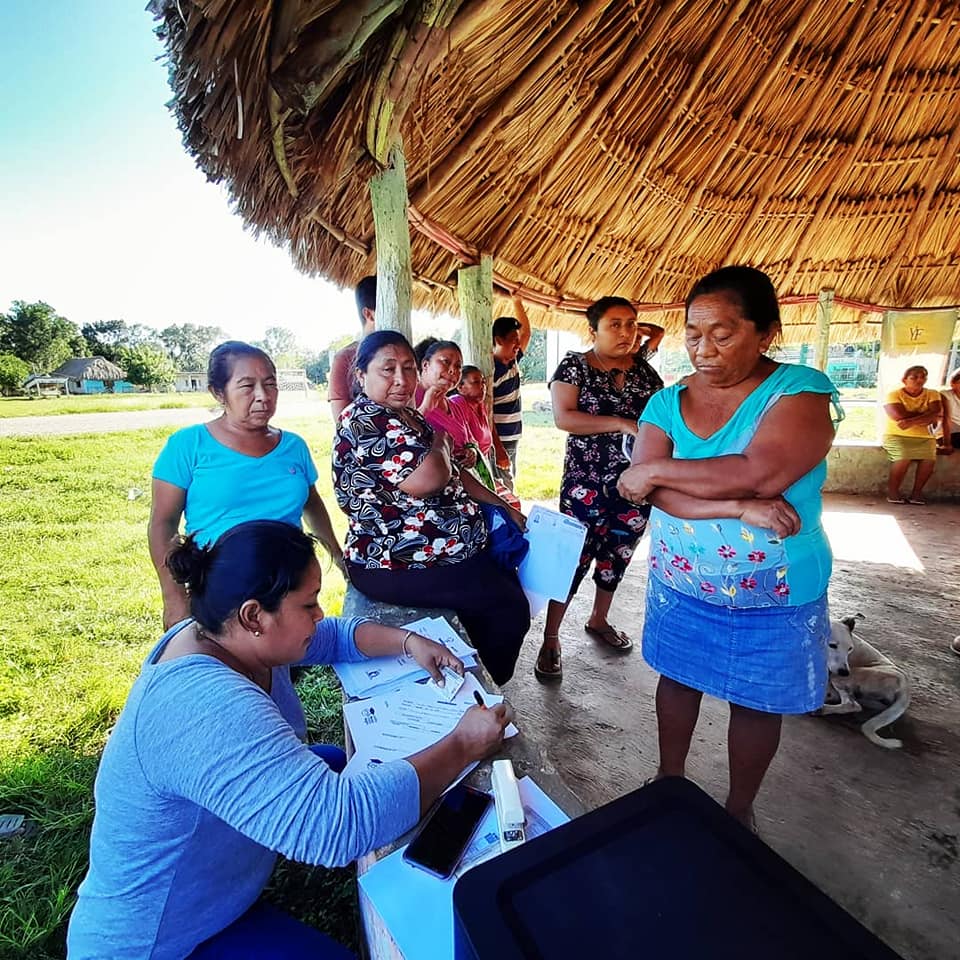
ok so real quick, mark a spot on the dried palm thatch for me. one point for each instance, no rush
(89, 368)
(593, 147)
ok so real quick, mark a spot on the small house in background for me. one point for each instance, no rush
(191, 381)
(86, 375)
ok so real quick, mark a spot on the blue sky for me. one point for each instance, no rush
(102, 212)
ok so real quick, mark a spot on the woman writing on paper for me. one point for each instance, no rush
(206, 778)
(597, 397)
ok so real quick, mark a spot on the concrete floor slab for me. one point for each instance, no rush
(878, 830)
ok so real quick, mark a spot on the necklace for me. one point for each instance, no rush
(616, 371)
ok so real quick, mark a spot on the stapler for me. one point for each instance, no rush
(510, 815)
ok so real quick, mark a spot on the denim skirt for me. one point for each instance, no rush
(772, 659)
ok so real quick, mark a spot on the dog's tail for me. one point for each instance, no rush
(893, 712)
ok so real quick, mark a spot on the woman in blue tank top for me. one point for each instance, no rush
(732, 461)
(235, 468)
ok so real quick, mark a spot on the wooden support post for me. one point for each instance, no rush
(388, 196)
(822, 347)
(475, 293)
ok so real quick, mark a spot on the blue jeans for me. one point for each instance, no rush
(266, 933)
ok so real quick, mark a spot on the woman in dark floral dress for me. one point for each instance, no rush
(416, 535)
(597, 398)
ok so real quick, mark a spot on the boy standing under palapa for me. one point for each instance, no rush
(511, 337)
(341, 378)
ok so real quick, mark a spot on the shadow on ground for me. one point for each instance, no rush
(878, 830)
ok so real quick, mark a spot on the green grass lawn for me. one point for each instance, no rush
(79, 610)
(102, 403)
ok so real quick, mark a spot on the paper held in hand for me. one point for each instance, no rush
(556, 542)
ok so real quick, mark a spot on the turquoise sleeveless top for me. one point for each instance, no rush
(725, 561)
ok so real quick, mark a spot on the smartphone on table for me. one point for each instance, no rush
(446, 831)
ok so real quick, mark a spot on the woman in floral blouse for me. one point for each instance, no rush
(732, 459)
(416, 535)
(597, 398)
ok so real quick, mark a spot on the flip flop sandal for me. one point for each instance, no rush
(551, 668)
(895, 500)
(611, 637)
(918, 500)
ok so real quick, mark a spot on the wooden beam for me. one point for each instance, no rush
(480, 131)
(414, 48)
(822, 346)
(347, 239)
(907, 22)
(475, 293)
(770, 73)
(388, 195)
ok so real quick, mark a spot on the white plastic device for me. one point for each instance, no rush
(510, 815)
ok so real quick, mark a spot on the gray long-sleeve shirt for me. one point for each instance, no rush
(203, 781)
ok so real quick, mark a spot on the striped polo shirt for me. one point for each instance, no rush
(506, 399)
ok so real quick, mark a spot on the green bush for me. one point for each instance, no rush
(13, 371)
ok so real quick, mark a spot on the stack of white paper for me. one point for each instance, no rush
(398, 724)
(403, 895)
(366, 678)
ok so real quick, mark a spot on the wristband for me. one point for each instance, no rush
(403, 646)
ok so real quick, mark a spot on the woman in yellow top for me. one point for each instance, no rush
(911, 411)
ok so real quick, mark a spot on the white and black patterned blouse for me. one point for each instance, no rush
(374, 452)
(596, 459)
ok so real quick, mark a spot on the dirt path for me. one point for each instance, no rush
(878, 830)
(74, 423)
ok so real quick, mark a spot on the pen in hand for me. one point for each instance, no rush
(479, 699)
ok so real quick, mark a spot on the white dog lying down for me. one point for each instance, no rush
(863, 678)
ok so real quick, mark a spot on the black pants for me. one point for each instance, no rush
(487, 599)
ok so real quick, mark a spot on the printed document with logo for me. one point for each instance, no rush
(396, 725)
(556, 542)
(365, 678)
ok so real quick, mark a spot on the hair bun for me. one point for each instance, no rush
(189, 563)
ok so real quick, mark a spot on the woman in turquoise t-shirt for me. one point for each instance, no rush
(233, 469)
(732, 460)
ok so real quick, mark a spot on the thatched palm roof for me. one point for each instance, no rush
(592, 147)
(89, 368)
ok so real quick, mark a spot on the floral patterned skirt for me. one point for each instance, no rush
(772, 659)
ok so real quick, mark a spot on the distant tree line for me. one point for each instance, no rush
(34, 338)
